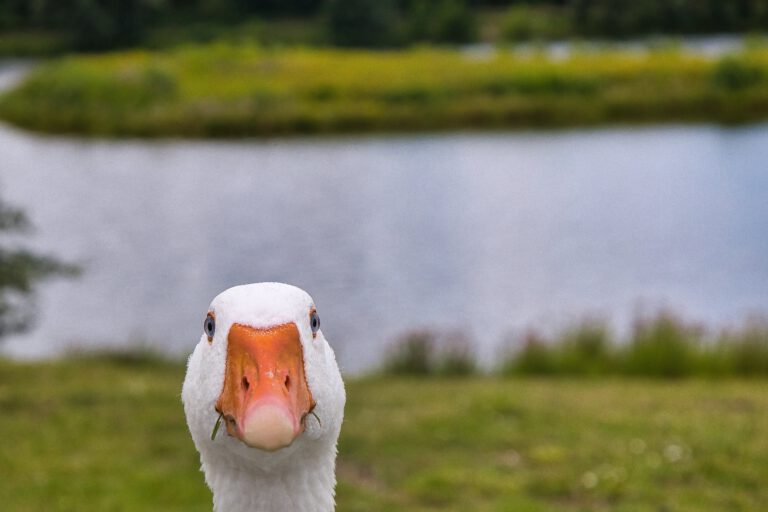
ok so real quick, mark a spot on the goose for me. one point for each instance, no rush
(264, 372)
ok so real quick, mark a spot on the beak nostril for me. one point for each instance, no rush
(287, 382)
(246, 384)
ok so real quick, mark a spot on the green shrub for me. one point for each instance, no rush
(454, 22)
(428, 352)
(33, 43)
(455, 356)
(663, 346)
(419, 21)
(524, 23)
(105, 24)
(747, 349)
(412, 354)
(586, 349)
(535, 357)
(361, 23)
(443, 21)
(732, 73)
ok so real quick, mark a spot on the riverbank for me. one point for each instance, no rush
(241, 91)
(110, 434)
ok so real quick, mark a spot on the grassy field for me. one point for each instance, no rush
(110, 435)
(224, 90)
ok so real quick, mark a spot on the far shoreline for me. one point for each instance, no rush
(222, 91)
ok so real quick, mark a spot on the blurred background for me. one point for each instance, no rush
(544, 219)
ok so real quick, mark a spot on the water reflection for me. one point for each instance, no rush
(488, 232)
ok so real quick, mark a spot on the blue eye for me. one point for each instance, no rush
(314, 322)
(209, 326)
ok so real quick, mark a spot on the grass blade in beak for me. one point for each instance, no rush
(216, 427)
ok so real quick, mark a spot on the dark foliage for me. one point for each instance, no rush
(425, 352)
(441, 21)
(20, 271)
(660, 346)
(618, 18)
(92, 24)
(361, 23)
(107, 24)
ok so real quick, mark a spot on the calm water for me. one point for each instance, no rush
(711, 46)
(489, 233)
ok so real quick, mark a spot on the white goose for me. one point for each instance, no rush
(263, 368)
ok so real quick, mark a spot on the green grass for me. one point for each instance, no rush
(109, 434)
(224, 90)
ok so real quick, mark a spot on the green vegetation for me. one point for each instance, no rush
(362, 23)
(48, 26)
(385, 23)
(97, 25)
(660, 346)
(32, 44)
(271, 32)
(525, 23)
(426, 352)
(242, 90)
(617, 19)
(109, 434)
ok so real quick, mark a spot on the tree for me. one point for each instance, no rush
(443, 21)
(454, 22)
(362, 23)
(106, 24)
(20, 271)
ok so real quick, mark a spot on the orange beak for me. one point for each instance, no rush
(265, 395)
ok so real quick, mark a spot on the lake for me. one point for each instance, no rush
(488, 233)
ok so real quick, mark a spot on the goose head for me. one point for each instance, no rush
(264, 372)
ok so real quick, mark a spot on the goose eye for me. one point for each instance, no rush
(314, 322)
(209, 326)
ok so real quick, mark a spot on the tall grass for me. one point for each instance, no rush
(662, 346)
(583, 350)
(426, 352)
(222, 90)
